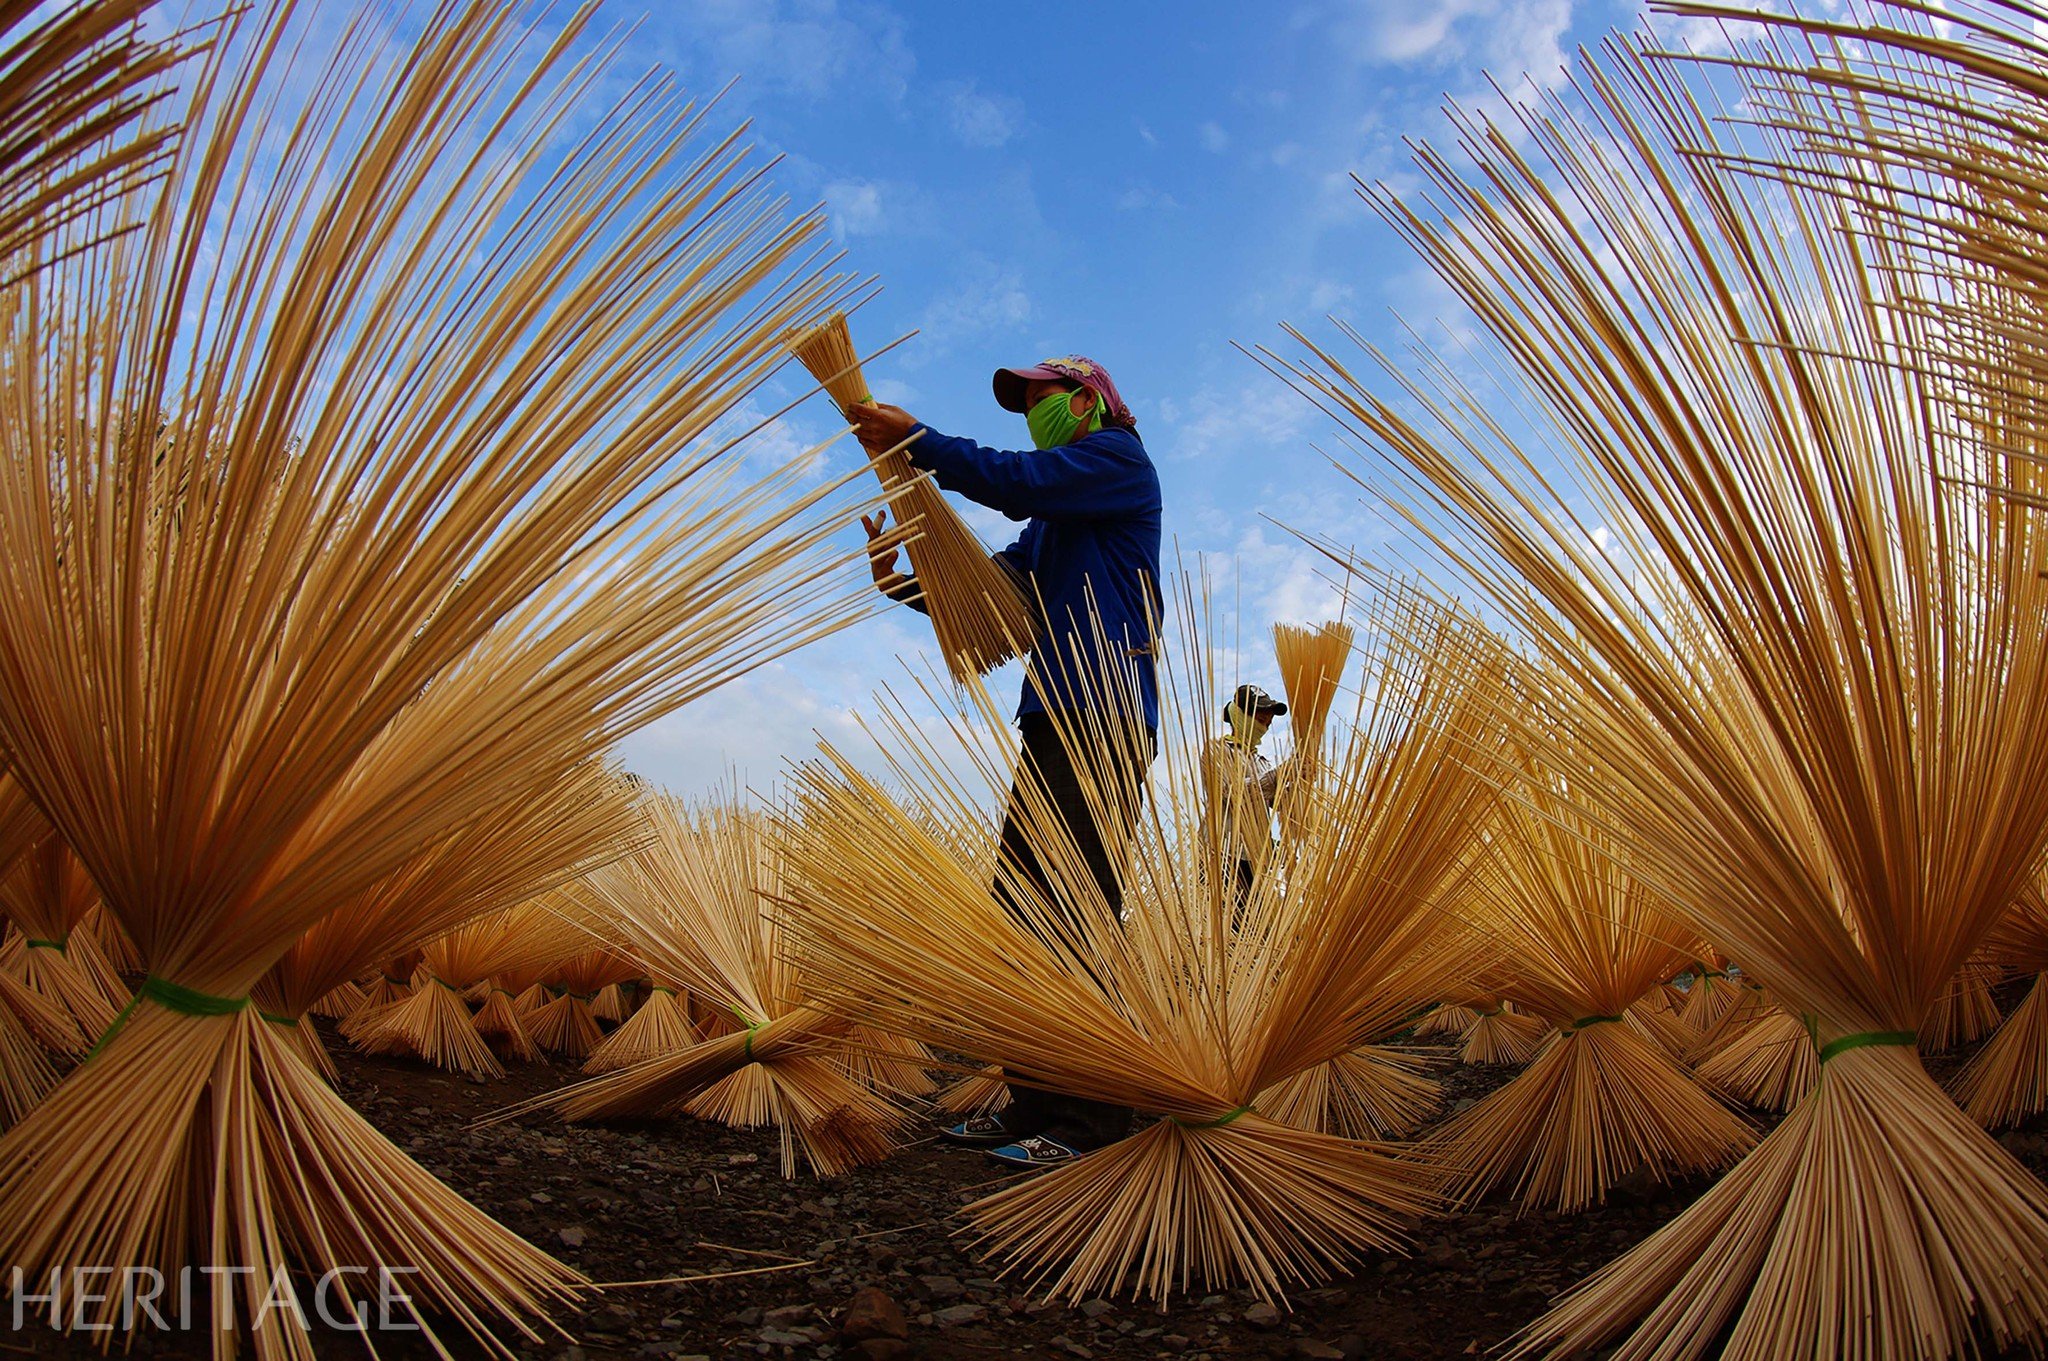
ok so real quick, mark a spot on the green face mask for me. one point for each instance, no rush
(1054, 423)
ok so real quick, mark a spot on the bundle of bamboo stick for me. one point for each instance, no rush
(2007, 1080)
(978, 608)
(1583, 940)
(697, 904)
(239, 489)
(1813, 657)
(1189, 1006)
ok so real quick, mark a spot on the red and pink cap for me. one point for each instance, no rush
(1074, 368)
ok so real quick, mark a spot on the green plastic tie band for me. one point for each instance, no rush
(275, 1019)
(1218, 1123)
(171, 997)
(1867, 1039)
(1585, 1021)
(38, 943)
(748, 1050)
(659, 988)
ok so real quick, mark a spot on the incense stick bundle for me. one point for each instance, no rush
(267, 513)
(1771, 1063)
(1712, 992)
(1373, 1092)
(1188, 1006)
(2007, 1080)
(1499, 1034)
(894, 1066)
(1583, 939)
(697, 905)
(446, 917)
(499, 1021)
(1965, 1012)
(978, 609)
(433, 1022)
(983, 1092)
(612, 1005)
(660, 1026)
(1311, 662)
(338, 1002)
(1807, 653)
(1447, 1018)
(47, 896)
(26, 1073)
(392, 982)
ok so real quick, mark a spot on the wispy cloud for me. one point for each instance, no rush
(814, 49)
(977, 118)
(1139, 197)
(984, 297)
(1212, 137)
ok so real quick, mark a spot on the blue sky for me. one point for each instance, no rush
(1144, 184)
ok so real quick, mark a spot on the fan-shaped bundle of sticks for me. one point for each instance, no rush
(1711, 993)
(238, 487)
(339, 1002)
(1585, 939)
(978, 609)
(2007, 1080)
(660, 1025)
(981, 1092)
(566, 1024)
(1966, 1011)
(1500, 1033)
(1376, 1091)
(1770, 1063)
(434, 1022)
(27, 1022)
(1192, 1004)
(1812, 658)
(613, 1002)
(387, 983)
(1447, 1018)
(47, 896)
(697, 905)
(549, 833)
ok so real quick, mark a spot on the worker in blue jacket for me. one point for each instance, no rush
(1089, 553)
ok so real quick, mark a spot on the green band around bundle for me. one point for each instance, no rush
(171, 997)
(1867, 1039)
(1585, 1021)
(276, 1019)
(446, 984)
(659, 988)
(748, 1049)
(38, 943)
(1218, 1123)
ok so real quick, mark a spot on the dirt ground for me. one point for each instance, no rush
(684, 1198)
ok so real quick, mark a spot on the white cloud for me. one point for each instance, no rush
(985, 297)
(978, 119)
(1504, 37)
(1139, 197)
(1146, 135)
(857, 208)
(1212, 137)
(815, 49)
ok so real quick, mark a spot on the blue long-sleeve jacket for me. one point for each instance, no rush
(1094, 512)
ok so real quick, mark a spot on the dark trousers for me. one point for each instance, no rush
(1119, 771)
